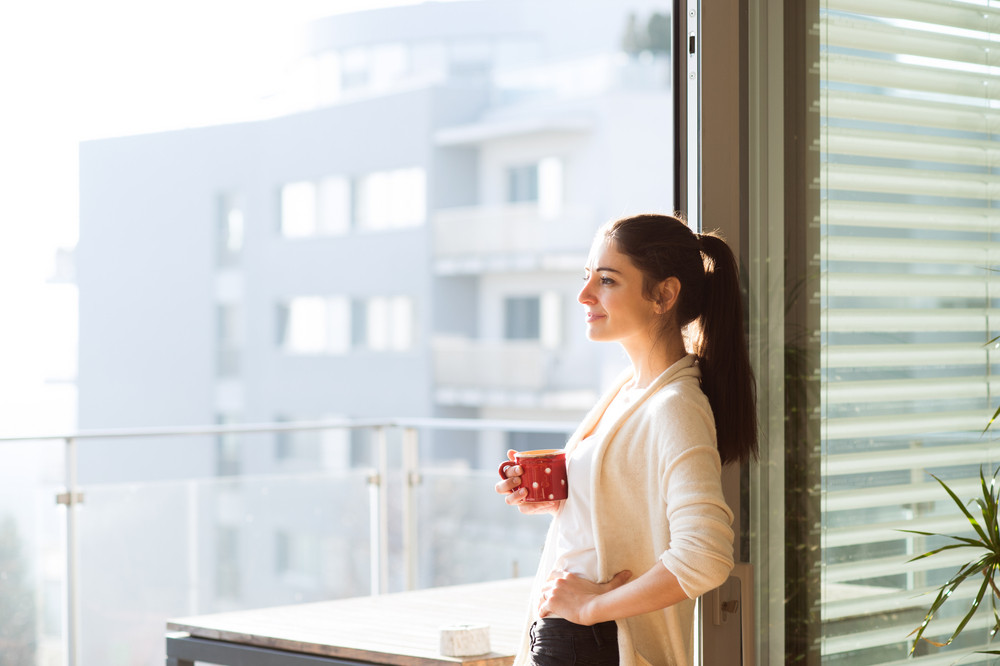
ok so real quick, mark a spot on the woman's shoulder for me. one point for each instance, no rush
(679, 411)
(682, 393)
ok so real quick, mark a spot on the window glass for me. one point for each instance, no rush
(550, 187)
(298, 209)
(314, 325)
(522, 183)
(391, 199)
(334, 206)
(522, 318)
(230, 229)
(230, 339)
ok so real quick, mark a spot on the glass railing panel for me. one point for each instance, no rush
(32, 554)
(153, 551)
(468, 534)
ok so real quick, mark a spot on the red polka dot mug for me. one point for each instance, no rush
(543, 474)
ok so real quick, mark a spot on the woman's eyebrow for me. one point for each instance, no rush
(606, 269)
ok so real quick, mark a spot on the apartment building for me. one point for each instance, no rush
(411, 246)
(408, 243)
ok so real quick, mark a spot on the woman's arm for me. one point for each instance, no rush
(579, 600)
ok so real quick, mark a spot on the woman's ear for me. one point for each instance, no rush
(669, 292)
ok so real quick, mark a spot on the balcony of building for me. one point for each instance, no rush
(512, 374)
(93, 570)
(524, 236)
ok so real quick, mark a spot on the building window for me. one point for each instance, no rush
(314, 325)
(550, 187)
(298, 209)
(384, 323)
(229, 347)
(230, 229)
(522, 318)
(540, 182)
(336, 324)
(534, 318)
(227, 448)
(522, 183)
(316, 208)
(391, 199)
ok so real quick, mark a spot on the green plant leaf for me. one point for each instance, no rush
(944, 592)
(988, 565)
(961, 505)
(972, 609)
(992, 419)
(988, 505)
(951, 546)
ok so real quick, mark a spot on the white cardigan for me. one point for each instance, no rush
(657, 497)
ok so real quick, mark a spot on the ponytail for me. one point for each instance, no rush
(710, 302)
(726, 376)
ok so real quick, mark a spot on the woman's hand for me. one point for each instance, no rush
(514, 495)
(573, 597)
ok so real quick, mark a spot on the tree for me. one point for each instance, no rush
(658, 28)
(633, 42)
(17, 602)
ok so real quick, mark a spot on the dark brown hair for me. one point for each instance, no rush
(662, 246)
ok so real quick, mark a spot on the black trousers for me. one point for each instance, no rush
(559, 642)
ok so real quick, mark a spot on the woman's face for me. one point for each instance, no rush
(616, 309)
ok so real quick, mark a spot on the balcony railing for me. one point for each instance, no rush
(382, 507)
(512, 372)
(513, 236)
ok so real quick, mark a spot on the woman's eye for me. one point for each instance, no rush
(606, 280)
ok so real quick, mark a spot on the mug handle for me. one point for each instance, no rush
(503, 468)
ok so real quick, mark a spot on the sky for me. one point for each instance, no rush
(72, 70)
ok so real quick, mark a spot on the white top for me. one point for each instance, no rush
(576, 550)
(657, 483)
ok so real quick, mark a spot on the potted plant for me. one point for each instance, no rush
(985, 564)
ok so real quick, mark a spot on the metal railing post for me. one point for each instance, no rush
(70, 498)
(411, 479)
(378, 493)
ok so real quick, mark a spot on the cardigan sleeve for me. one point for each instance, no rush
(700, 551)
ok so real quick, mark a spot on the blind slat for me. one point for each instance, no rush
(908, 459)
(894, 425)
(881, 37)
(910, 250)
(907, 216)
(903, 321)
(940, 14)
(901, 285)
(912, 113)
(903, 355)
(897, 146)
(913, 182)
(969, 88)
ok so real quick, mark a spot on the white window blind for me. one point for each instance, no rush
(909, 178)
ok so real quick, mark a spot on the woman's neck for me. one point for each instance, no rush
(650, 361)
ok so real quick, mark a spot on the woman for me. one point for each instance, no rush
(645, 529)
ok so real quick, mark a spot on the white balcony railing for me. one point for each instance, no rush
(511, 236)
(513, 372)
(137, 553)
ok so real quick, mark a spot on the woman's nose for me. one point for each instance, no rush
(585, 297)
